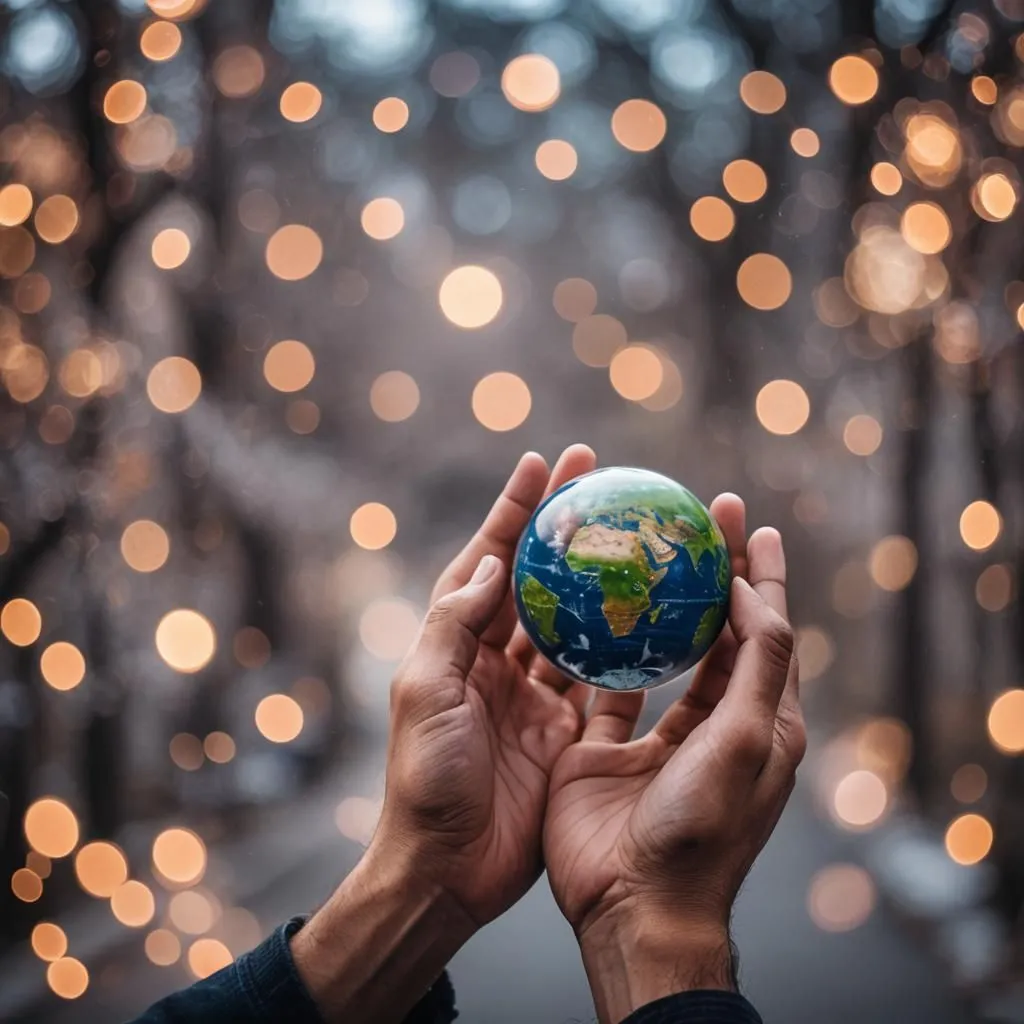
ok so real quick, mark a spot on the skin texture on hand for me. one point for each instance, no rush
(647, 841)
(478, 721)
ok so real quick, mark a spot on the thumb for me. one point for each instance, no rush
(450, 635)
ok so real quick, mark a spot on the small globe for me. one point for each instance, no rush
(621, 579)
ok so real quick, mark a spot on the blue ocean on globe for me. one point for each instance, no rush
(621, 579)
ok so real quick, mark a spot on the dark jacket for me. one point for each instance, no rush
(263, 987)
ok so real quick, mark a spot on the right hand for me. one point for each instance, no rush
(648, 841)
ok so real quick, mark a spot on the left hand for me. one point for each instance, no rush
(479, 719)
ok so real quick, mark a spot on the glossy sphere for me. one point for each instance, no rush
(622, 579)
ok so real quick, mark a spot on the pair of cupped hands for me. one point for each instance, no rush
(500, 767)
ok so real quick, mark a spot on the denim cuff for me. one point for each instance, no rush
(699, 1007)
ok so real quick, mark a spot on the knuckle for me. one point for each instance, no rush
(750, 743)
(776, 642)
(440, 615)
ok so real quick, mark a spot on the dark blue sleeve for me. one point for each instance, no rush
(697, 1008)
(263, 987)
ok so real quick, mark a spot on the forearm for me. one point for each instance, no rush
(379, 943)
(633, 959)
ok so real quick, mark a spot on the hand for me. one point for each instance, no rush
(478, 720)
(647, 841)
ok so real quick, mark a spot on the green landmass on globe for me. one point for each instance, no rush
(607, 551)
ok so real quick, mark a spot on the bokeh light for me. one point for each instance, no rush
(48, 941)
(994, 589)
(853, 79)
(841, 897)
(636, 372)
(805, 142)
(238, 71)
(886, 178)
(15, 204)
(501, 401)
(394, 396)
(300, 102)
(100, 868)
(470, 296)
(289, 366)
(782, 407)
(639, 125)
(207, 956)
(26, 885)
(186, 640)
(764, 281)
(556, 159)
(712, 218)
(179, 856)
(51, 827)
(383, 218)
(279, 718)
(62, 665)
(21, 622)
(597, 338)
(926, 227)
(969, 839)
(862, 434)
(969, 783)
(160, 40)
(67, 977)
(391, 115)
(186, 751)
(373, 526)
(174, 384)
(170, 248)
(387, 627)
(860, 800)
(293, 252)
(762, 92)
(744, 180)
(574, 299)
(145, 545)
(980, 525)
(124, 101)
(1006, 722)
(162, 947)
(531, 82)
(133, 904)
(893, 562)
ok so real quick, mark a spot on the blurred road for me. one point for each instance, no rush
(526, 966)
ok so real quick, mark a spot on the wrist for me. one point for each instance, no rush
(380, 942)
(635, 955)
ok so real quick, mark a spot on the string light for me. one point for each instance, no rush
(470, 296)
(639, 125)
(391, 115)
(531, 82)
(301, 102)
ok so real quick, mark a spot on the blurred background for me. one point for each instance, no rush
(286, 286)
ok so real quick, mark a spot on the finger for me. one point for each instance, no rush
(613, 716)
(501, 529)
(789, 742)
(576, 460)
(746, 714)
(768, 567)
(432, 677)
(730, 513)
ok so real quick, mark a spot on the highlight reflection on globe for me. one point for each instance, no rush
(622, 579)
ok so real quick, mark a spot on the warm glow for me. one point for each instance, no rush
(391, 115)
(21, 622)
(893, 562)
(32, 293)
(124, 102)
(67, 977)
(984, 90)
(636, 372)
(883, 273)
(886, 178)
(15, 205)
(639, 125)
(501, 401)
(186, 640)
(207, 956)
(762, 92)
(258, 211)
(279, 718)
(170, 248)
(595, 339)
(860, 799)
(556, 159)
(294, 252)
(238, 71)
(186, 751)
(49, 941)
(969, 839)
(394, 396)
(62, 665)
(133, 904)
(251, 647)
(470, 296)
(531, 82)
(841, 897)
(994, 588)
(174, 384)
(712, 218)
(51, 827)
(176, 10)
(26, 885)
(160, 40)
(994, 197)
(289, 366)
(17, 251)
(179, 855)
(100, 868)
(926, 227)
(356, 818)
(373, 526)
(764, 281)
(968, 784)
(300, 102)
(744, 180)
(934, 151)
(81, 373)
(853, 79)
(805, 142)
(219, 747)
(56, 219)
(574, 299)
(162, 947)
(670, 390)
(862, 434)
(145, 545)
(383, 218)
(782, 407)
(191, 912)
(980, 525)
(1006, 722)
(815, 652)
(387, 627)
(302, 416)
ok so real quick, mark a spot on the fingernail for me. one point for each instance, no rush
(485, 570)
